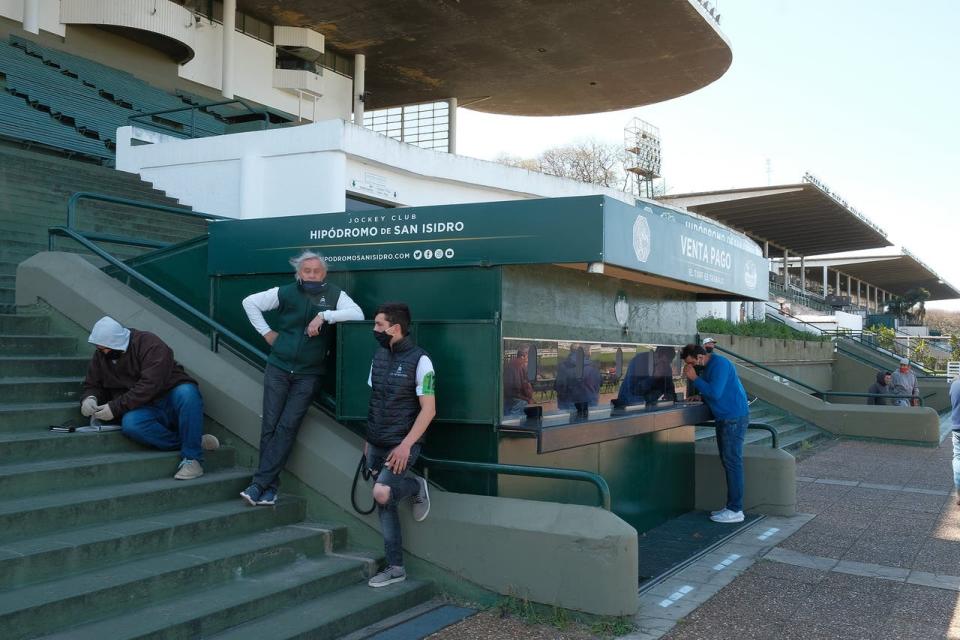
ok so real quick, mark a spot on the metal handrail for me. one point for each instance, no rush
(102, 197)
(193, 114)
(822, 395)
(763, 426)
(878, 365)
(218, 330)
(603, 489)
(820, 331)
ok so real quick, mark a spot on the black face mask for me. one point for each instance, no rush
(313, 288)
(383, 338)
(113, 355)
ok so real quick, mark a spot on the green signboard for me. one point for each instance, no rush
(589, 229)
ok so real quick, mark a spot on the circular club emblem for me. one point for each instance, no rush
(641, 239)
(750, 275)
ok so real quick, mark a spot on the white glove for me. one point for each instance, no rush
(89, 406)
(103, 413)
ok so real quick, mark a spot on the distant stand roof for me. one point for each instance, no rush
(519, 57)
(806, 219)
(897, 273)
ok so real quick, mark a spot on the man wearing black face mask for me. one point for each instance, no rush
(402, 404)
(305, 310)
(134, 375)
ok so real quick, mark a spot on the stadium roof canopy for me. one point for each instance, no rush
(518, 57)
(897, 273)
(806, 219)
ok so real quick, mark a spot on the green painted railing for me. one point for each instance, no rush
(761, 426)
(603, 489)
(258, 357)
(880, 366)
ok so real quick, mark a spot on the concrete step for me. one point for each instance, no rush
(38, 416)
(39, 443)
(40, 345)
(333, 615)
(63, 553)
(36, 477)
(798, 439)
(55, 366)
(28, 390)
(20, 324)
(223, 607)
(38, 515)
(62, 604)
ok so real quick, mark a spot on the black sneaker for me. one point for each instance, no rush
(421, 501)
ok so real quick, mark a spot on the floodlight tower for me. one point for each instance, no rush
(642, 143)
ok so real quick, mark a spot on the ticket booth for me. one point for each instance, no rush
(554, 326)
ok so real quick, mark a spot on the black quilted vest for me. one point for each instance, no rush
(394, 404)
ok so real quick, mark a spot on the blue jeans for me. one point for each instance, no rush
(172, 421)
(401, 486)
(956, 460)
(286, 398)
(730, 434)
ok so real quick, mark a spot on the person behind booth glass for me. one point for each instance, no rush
(306, 310)
(517, 390)
(723, 392)
(578, 380)
(882, 385)
(402, 405)
(649, 377)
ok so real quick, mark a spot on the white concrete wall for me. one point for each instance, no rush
(309, 168)
(255, 63)
(49, 14)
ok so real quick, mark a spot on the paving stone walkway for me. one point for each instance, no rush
(876, 555)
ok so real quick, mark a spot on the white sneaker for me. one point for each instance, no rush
(728, 517)
(717, 512)
(188, 470)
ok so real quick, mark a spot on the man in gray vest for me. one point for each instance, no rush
(402, 404)
(306, 309)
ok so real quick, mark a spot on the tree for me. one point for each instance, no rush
(589, 161)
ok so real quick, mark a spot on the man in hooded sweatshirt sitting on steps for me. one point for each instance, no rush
(133, 378)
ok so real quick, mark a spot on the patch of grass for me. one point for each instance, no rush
(612, 627)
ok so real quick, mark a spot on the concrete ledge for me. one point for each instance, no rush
(910, 424)
(769, 478)
(570, 556)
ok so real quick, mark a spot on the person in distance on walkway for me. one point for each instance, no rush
(307, 308)
(133, 377)
(709, 344)
(402, 404)
(955, 434)
(882, 385)
(904, 382)
(721, 389)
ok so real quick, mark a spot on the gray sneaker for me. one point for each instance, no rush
(388, 576)
(188, 470)
(421, 501)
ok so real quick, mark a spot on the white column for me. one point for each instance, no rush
(825, 281)
(803, 274)
(452, 125)
(849, 292)
(359, 87)
(31, 16)
(229, 38)
(786, 270)
(837, 288)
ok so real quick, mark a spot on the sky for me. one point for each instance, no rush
(863, 95)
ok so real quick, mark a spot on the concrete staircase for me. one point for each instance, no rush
(35, 188)
(795, 433)
(98, 541)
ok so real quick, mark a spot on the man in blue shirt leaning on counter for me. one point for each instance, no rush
(721, 389)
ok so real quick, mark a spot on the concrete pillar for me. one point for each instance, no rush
(837, 288)
(825, 282)
(31, 16)
(786, 269)
(849, 285)
(359, 87)
(229, 39)
(803, 274)
(452, 125)
(766, 248)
